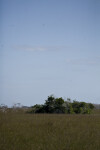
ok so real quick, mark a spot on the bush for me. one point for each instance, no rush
(58, 105)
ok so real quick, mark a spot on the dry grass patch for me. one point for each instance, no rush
(20, 131)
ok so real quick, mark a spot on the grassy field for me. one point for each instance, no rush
(21, 131)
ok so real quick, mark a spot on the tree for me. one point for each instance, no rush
(70, 109)
(58, 105)
(91, 106)
(49, 104)
(76, 107)
(37, 109)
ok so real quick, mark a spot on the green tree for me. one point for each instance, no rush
(58, 106)
(76, 107)
(91, 106)
(70, 109)
(49, 104)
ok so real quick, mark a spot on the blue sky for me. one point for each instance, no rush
(49, 47)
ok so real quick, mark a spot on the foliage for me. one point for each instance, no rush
(58, 105)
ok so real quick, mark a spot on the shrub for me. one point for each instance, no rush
(58, 105)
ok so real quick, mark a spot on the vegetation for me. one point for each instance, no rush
(58, 105)
(22, 131)
(60, 130)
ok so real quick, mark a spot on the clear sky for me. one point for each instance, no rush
(49, 47)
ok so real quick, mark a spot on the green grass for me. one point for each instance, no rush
(21, 131)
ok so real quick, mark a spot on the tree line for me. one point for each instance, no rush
(60, 106)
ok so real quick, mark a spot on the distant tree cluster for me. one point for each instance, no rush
(60, 106)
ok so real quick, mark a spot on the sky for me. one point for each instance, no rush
(49, 47)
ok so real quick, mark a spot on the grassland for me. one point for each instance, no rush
(21, 131)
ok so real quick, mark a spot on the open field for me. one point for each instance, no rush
(21, 131)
